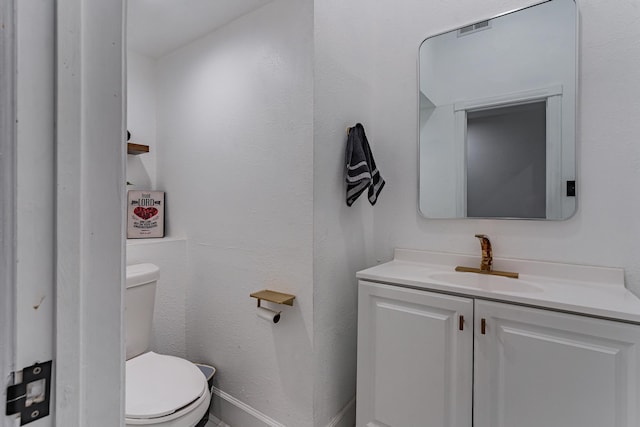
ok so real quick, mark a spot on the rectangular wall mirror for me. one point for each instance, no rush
(497, 117)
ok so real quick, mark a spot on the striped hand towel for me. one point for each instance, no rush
(361, 170)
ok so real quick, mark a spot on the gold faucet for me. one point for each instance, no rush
(486, 264)
(487, 254)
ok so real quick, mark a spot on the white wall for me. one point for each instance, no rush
(168, 335)
(342, 234)
(235, 155)
(439, 198)
(141, 119)
(605, 229)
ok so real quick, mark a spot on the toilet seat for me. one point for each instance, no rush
(187, 417)
(161, 388)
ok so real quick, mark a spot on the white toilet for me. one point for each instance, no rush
(161, 390)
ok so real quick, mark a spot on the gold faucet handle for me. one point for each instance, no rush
(487, 256)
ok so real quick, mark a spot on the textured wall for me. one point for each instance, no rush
(235, 152)
(342, 234)
(141, 119)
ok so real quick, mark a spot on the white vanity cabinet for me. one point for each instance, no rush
(504, 365)
(536, 368)
(415, 358)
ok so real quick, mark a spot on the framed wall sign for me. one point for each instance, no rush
(145, 214)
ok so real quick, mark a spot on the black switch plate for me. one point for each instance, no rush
(571, 189)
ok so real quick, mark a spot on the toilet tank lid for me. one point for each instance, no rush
(139, 274)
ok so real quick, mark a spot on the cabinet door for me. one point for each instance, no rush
(537, 368)
(414, 362)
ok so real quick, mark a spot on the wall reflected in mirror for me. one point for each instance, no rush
(497, 117)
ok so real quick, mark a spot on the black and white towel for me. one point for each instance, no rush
(361, 170)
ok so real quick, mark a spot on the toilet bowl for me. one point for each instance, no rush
(161, 390)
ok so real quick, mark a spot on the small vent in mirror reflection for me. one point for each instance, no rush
(470, 29)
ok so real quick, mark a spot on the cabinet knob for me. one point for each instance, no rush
(461, 323)
(483, 326)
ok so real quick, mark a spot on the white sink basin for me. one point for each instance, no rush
(485, 282)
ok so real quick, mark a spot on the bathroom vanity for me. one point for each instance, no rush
(557, 347)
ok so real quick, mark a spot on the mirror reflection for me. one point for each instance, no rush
(497, 117)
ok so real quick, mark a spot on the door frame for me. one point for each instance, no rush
(7, 196)
(90, 224)
(90, 206)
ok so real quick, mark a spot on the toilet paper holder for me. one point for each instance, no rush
(273, 296)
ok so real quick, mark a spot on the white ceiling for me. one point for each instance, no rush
(157, 27)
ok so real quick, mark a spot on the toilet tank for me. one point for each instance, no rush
(138, 307)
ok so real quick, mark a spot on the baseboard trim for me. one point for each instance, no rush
(346, 417)
(240, 405)
(229, 404)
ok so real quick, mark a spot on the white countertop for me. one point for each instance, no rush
(588, 290)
